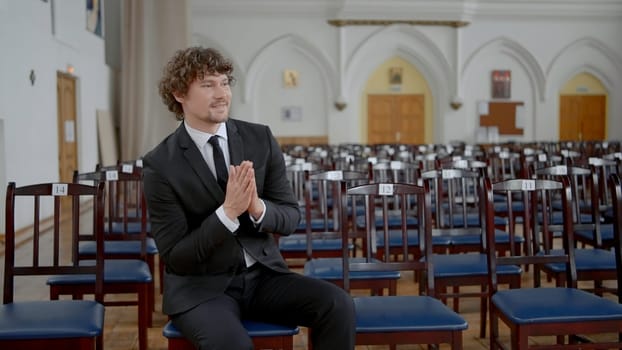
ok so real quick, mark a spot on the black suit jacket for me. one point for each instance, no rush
(200, 253)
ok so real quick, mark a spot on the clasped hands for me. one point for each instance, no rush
(241, 195)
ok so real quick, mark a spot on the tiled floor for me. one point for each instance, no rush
(120, 323)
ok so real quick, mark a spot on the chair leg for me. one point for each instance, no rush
(144, 315)
(483, 312)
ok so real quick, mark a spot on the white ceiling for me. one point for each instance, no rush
(411, 9)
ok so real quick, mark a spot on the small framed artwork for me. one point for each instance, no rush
(291, 113)
(290, 78)
(501, 83)
(395, 75)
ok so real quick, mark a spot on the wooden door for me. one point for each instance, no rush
(395, 119)
(67, 128)
(582, 117)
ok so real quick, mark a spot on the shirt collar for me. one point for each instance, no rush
(200, 137)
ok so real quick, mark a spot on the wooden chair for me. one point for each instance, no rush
(459, 217)
(122, 277)
(332, 185)
(562, 313)
(615, 189)
(313, 238)
(404, 319)
(126, 225)
(401, 172)
(593, 263)
(52, 324)
(264, 335)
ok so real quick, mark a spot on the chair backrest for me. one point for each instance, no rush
(296, 174)
(52, 235)
(396, 171)
(323, 192)
(455, 196)
(536, 194)
(126, 207)
(615, 188)
(390, 198)
(586, 187)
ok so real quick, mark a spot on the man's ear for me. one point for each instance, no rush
(178, 97)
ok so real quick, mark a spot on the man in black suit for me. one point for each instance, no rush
(222, 262)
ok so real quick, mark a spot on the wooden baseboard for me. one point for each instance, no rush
(302, 140)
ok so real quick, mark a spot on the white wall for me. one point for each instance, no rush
(30, 111)
(542, 48)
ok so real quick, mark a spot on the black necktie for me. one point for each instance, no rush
(219, 163)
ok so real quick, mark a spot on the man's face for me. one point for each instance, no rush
(207, 101)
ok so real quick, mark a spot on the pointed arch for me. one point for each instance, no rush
(515, 50)
(312, 53)
(413, 46)
(602, 62)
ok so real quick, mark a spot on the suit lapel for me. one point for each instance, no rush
(197, 163)
(236, 146)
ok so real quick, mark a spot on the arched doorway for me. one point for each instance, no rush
(397, 105)
(583, 109)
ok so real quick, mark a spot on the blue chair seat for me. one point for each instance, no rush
(472, 220)
(502, 206)
(298, 242)
(394, 221)
(544, 305)
(118, 247)
(404, 313)
(587, 259)
(132, 227)
(395, 239)
(501, 237)
(316, 224)
(115, 271)
(606, 233)
(556, 218)
(254, 329)
(469, 264)
(332, 269)
(51, 319)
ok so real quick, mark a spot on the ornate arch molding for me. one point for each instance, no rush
(520, 54)
(202, 40)
(295, 42)
(606, 65)
(406, 42)
(414, 47)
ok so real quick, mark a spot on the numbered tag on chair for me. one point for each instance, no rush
(334, 175)
(449, 173)
(542, 157)
(112, 175)
(385, 189)
(60, 189)
(560, 170)
(528, 185)
(461, 163)
(139, 163)
(127, 168)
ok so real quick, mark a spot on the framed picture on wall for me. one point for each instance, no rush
(501, 83)
(395, 75)
(290, 78)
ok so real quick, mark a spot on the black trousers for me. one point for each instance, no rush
(264, 295)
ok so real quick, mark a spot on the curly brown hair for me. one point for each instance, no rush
(185, 66)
